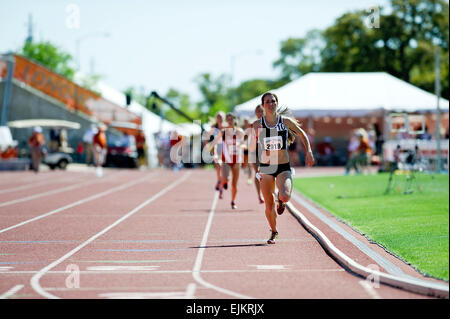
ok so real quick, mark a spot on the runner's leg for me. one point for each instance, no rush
(235, 169)
(268, 189)
(284, 185)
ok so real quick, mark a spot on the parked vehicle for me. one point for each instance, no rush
(57, 159)
(122, 151)
(60, 157)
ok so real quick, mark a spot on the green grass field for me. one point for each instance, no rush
(414, 226)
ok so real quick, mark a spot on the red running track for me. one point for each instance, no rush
(160, 234)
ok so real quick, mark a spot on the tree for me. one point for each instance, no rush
(183, 103)
(349, 45)
(50, 56)
(403, 45)
(249, 89)
(216, 93)
(300, 56)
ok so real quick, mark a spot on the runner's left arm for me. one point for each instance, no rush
(295, 127)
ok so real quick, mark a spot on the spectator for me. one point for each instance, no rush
(176, 147)
(80, 151)
(54, 143)
(99, 147)
(425, 135)
(87, 139)
(326, 151)
(36, 143)
(352, 152)
(141, 146)
(63, 143)
(364, 151)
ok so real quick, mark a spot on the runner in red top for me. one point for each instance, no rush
(232, 141)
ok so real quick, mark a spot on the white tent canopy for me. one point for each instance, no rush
(344, 94)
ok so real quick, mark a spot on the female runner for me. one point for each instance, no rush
(232, 141)
(274, 131)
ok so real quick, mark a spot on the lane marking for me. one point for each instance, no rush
(85, 272)
(198, 261)
(35, 279)
(52, 192)
(11, 292)
(23, 187)
(129, 261)
(140, 250)
(369, 289)
(188, 294)
(122, 268)
(79, 202)
(269, 267)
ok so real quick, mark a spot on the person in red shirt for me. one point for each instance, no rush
(326, 151)
(99, 145)
(232, 140)
(176, 149)
(36, 143)
(140, 147)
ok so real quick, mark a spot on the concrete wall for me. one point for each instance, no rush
(29, 103)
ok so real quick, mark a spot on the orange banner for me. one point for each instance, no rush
(73, 96)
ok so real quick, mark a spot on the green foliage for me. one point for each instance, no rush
(300, 55)
(216, 93)
(403, 45)
(183, 103)
(49, 56)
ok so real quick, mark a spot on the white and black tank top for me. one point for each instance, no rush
(273, 138)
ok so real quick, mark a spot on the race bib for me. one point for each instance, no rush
(273, 143)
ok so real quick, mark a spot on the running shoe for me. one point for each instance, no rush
(280, 207)
(233, 205)
(273, 236)
(220, 194)
(225, 186)
(261, 201)
(218, 186)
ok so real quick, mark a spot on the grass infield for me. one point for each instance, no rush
(412, 226)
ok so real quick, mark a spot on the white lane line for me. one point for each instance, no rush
(23, 187)
(188, 294)
(52, 192)
(79, 202)
(35, 279)
(11, 292)
(201, 251)
(271, 267)
(369, 289)
(190, 291)
(136, 272)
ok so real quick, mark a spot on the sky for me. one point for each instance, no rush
(157, 45)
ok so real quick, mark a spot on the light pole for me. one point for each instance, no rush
(80, 39)
(9, 58)
(233, 62)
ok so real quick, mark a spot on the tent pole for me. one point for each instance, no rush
(437, 86)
